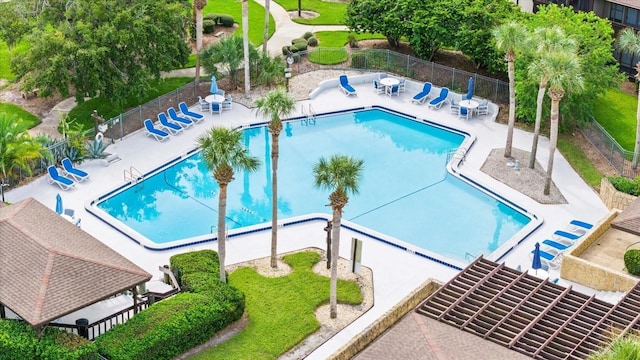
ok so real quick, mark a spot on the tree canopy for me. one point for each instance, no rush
(108, 47)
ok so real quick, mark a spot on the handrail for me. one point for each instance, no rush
(132, 174)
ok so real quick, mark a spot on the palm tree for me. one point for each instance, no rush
(629, 40)
(245, 38)
(508, 37)
(198, 5)
(223, 152)
(563, 70)
(276, 105)
(549, 40)
(267, 5)
(341, 173)
(18, 150)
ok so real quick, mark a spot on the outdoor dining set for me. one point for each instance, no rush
(216, 101)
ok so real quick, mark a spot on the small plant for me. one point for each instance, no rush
(226, 20)
(208, 26)
(96, 149)
(307, 35)
(626, 185)
(286, 50)
(299, 41)
(353, 42)
(632, 261)
(312, 41)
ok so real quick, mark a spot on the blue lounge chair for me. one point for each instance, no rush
(184, 109)
(550, 258)
(68, 170)
(55, 178)
(437, 102)
(422, 95)
(580, 224)
(344, 85)
(167, 125)
(556, 245)
(151, 130)
(566, 235)
(181, 120)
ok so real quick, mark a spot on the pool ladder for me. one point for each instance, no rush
(132, 174)
(457, 154)
(309, 115)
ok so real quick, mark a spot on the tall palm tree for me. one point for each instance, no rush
(224, 153)
(275, 105)
(549, 40)
(267, 6)
(245, 38)
(564, 73)
(342, 174)
(198, 5)
(18, 150)
(628, 40)
(508, 37)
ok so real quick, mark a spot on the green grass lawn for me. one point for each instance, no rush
(5, 57)
(280, 309)
(331, 13)
(20, 113)
(256, 17)
(579, 161)
(616, 112)
(335, 39)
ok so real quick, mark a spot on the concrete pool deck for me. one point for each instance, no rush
(396, 273)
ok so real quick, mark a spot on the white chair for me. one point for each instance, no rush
(483, 108)
(402, 84)
(393, 90)
(204, 106)
(454, 108)
(378, 88)
(227, 103)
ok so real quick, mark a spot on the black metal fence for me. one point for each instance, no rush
(618, 157)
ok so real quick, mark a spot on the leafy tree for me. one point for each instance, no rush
(224, 154)
(433, 26)
(595, 51)
(18, 150)
(508, 37)
(14, 23)
(629, 41)
(228, 53)
(267, 70)
(341, 174)
(548, 40)
(388, 17)
(107, 47)
(275, 105)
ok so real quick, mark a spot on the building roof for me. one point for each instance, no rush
(535, 317)
(629, 219)
(50, 268)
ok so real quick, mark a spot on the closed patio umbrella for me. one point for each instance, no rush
(214, 85)
(537, 263)
(470, 89)
(59, 207)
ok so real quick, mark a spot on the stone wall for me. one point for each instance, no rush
(613, 198)
(387, 320)
(595, 276)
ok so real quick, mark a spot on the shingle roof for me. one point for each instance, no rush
(629, 219)
(50, 268)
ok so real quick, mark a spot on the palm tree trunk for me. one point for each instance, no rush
(512, 108)
(267, 5)
(274, 198)
(222, 236)
(553, 142)
(245, 36)
(335, 248)
(198, 15)
(636, 149)
(536, 129)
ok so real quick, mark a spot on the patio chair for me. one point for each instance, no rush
(227, 103)
(216, 108)
(68, 170)
(393, 90)
(204, 106)
(184, 109)
(563, 235)
(402, 85)
(55, 178)
(550, 257)
(483, 108)
(151, 130)
(378, 88)
(169, 126)
(344, 85)
(454, 107)
(382, 76)
(441, 99)
(579, 226)
(180, 120)
(556, 245)
(423, 95)
(464, 113)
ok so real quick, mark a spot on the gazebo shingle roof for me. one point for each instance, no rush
(629, 219)
(50, 268)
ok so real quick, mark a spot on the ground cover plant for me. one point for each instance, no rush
(616, 112)
(280, 309)
(330, 12)
(234, 8)
(28, 118)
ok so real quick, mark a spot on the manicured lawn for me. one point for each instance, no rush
(616, 112)
(580, 163)
(336, 40)
(234, 8)
(20, 113)
(280, 309)
(331, 13)
(107, 109)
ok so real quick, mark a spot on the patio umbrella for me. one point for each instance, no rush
(59, 204)
(470, 89)
(536, 264)
(214, 85)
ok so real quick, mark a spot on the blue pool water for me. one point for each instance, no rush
(405, 191)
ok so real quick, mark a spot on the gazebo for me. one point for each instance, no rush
(50, 268)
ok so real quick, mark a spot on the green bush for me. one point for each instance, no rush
(298, 41)
(626, 185)
(632, 261)
(312, 41)
(208, 26)
(286, 50)
(307, 35)
(17, 340)
(212, 16)
(226, 20)
(205, 261)
(353, 42)
(299, 46)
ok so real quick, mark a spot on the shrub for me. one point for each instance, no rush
(286, 50)
(353, 42)
(312, 41)
(17, 340)
(626, 185)
(226, 20)
(208, 26)
(632, 261)
(298, 41)
(307, 35)
(299, 46)
(211, 16)
(205, 261)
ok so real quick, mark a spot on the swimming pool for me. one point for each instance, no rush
(406, 191)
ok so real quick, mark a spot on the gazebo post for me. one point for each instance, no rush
(2, 313)
(134, 290)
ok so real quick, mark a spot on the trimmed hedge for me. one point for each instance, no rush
(177, 324)
(226, 20)
(18, 341)
(208, 26)
(632, 261)
(312, 41)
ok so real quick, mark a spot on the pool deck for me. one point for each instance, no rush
(396, 272)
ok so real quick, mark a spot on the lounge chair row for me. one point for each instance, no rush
(562, 240)
(67, 177)
(174, 126)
